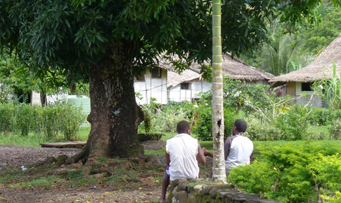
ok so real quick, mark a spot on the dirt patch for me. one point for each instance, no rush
(73, 195)
(139, 183)
(17, 156)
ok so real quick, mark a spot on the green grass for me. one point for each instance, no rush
(83, 133)
(30, 140)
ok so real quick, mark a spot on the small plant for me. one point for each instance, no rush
(335, 130)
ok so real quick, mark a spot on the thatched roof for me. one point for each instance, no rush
(239, 70)
(321, 68)
(233, 68)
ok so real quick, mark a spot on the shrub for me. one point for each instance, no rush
(203, 123)
(48, 121)
(70, 120)
(335, 130)
(164, 118)
(320, 116)
(262, 131)
(255, 178)
(292, 172)
(293, 123)
(7, 120)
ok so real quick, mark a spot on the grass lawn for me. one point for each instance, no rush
(83, 133)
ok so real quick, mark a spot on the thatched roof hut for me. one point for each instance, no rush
(239, 70)
(232, 67)
(321, 68)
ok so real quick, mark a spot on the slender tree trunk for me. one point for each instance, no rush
(113, 108)
(217, 82)
(43, 99)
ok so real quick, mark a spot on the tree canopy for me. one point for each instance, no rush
(61, 35)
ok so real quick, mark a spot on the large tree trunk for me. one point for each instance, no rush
(113, 108)
(217, 86)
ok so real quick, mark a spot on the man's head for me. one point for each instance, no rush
(183, 127)
(239, 126)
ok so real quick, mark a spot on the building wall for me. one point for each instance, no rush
(152, 88)
(303, 97)
(197, 86)
(291, 89)
(51, 99)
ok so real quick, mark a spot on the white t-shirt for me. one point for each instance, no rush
(238, 150)
(183, 150)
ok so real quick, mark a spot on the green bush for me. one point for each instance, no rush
(203, 124)
(262, 131)
(320, 116)
(7, 121)
(293, 124)
(23, 118)
(335, 130)
(47, 121)
(71, 119)
(256, 178)
(292, 172)
(164, 118)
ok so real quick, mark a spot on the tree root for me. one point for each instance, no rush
(77, 157)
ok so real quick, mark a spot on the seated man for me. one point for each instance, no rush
(182, 155)
(238, 148)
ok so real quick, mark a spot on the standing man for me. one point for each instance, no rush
(183, 153)
(238, 148)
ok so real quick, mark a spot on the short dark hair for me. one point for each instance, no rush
(241, 125)
(182, 127)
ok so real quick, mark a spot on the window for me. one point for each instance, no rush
(306, 86)
(156, 72)
(185, 86)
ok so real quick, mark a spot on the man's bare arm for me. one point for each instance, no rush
(201, 157)
(167, 159)
(207, 153)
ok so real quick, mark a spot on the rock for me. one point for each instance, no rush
(180, 197)
(183, 185)
(197, 188)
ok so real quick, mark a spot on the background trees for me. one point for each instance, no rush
(290, 48)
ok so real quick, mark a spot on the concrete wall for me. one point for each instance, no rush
(152, 88)
(197, 86)
(184, 191)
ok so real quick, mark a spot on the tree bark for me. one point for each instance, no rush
(43, 99)
(217, 86)
(113, 107)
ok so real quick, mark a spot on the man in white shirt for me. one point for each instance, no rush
(182, 155)
(238, 148)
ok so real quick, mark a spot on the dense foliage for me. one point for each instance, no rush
(292, 172)
(289, 48)
(49, 121)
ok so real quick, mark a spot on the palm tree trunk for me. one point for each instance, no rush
(217, 85)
